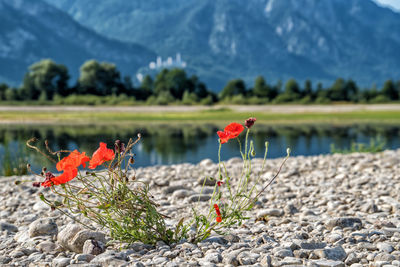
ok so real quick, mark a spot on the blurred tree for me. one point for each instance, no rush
(198, 87)
(338, 91)
(233, 87)
(173, 81)
(308, 91)
(292, 90)
(351, 90)
(3, 88)
(99, 79)
(11, 94)
(389, 90)
(45, 76)
(146, 88)
(262, 89)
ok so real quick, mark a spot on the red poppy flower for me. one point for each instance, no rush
(231, 131)
(223, 137)
(219, 218)
(101, 155)
(73, 160)
(66, 176)
(219, 183)
(234, 129)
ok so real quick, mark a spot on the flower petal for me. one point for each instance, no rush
(101, 155)
(234, 129)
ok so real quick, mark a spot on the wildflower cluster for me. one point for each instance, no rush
(114, 199)
(232, 196)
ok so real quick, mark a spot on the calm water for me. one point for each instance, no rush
(165, 144)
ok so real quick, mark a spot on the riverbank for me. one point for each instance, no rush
(277, 114)
(332, 210)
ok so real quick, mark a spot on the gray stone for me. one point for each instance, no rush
(266, 261)
(269, 212)
(291, 261)
(336, 253)
(110, 258)
(159, 260)
(198, 197)
(213, 257)
(334, 237)
(46, 246)
(366, 246)
(206, 181)
(17, 254)
(352, 258)
(82, 236)
(73, 238)
(206, 163)
(344, 222)
(171, 189)
(4, 226)
(231, 258)
(215, 239)
(66, 235)
(383, 246)
(290, 209)
(384, 257)
(37, 256)
(43, 226)
(5, 260)
(232, 238)
(84, 257)
(284, 252)
(181, 193)
(247, 258)
(328, 263)
(309, 244)
(93, 247)
(61, 262)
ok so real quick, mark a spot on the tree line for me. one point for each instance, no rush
(47, 81)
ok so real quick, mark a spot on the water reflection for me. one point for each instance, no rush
(169, 144)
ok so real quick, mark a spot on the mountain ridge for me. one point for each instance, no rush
(35, 30)
(221, 40)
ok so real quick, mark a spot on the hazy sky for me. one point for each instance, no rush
(393, 3)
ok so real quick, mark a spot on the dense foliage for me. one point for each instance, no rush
(101, 83)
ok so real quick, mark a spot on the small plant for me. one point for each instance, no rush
(111, 198)
(232, 198)
(114, 199)
(375, 145)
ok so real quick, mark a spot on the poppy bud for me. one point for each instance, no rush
(36, 184)
(131, 160)
(249, 122)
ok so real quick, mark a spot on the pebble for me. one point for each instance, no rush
(43, 226)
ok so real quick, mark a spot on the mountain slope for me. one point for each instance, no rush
(32, 30)
(221, 39)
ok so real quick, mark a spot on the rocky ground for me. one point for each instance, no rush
(335, 210)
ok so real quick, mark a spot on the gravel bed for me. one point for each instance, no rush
(334, 210)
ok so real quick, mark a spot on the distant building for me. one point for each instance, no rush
(169, 63)
(155, 66)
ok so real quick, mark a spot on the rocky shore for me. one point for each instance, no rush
(334, 210)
